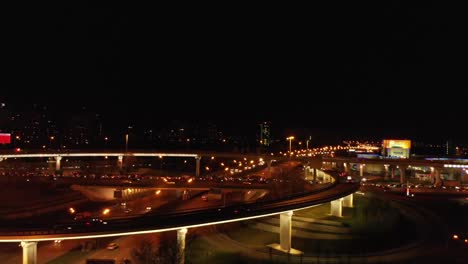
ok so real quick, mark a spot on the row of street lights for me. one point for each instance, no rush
(290, 142)
(288, 138)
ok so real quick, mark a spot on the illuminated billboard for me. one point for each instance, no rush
(5, 138)
(396, 148)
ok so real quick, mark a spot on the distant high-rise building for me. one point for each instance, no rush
(449, 148)
(265, 134)
(213, 135)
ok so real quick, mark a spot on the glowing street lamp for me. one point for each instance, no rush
(290, 140)
(126, 143)
(126, 150)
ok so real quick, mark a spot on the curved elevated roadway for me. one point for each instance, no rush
(152, 223)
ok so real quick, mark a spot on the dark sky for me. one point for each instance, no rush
(370, 69)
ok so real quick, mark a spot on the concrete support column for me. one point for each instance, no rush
(387, 171)
(285, 230)
(269, 167)
(361, 169)
(348, 201)
(57, 162)
(120, 162)
(438, 180)
(29, 252)
(197, 166)
(306, 172)
(402, 173)
(181, 245)
(336, 207)
(347, 167)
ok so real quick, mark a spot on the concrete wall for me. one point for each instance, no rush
(96, 193)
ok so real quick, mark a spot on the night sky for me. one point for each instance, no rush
(390, 69)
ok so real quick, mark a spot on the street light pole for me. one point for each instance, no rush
(126, 143)
(51, 138)
(126, 149)
(290, 142)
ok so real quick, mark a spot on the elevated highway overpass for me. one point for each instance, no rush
(404, 162)
(58, 156)
(339, 194)
(435, 165)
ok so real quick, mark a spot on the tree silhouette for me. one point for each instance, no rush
(163, 253)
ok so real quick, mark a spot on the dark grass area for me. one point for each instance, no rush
(374, 223)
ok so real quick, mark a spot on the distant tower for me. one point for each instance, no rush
(449, 148)
(265, 134)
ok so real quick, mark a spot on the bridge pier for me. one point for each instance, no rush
(306, 172)
(29, 252)
(387, 171)
(402, 174)
(361, 169)
(269, 167)
(348, 201)
(120, 162)
(181, 233)
(197, 166)
(285, 230)
(285, 235)
(337, 207)
(58, 163)
(438, 180)
(347, 167)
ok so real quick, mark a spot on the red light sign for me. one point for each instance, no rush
(5, 138)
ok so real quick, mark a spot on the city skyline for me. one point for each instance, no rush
(361, 70)
(325, 123)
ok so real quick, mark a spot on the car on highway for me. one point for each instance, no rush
(212, 197)
(112, 246)
(385, 188)
(241, 209)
